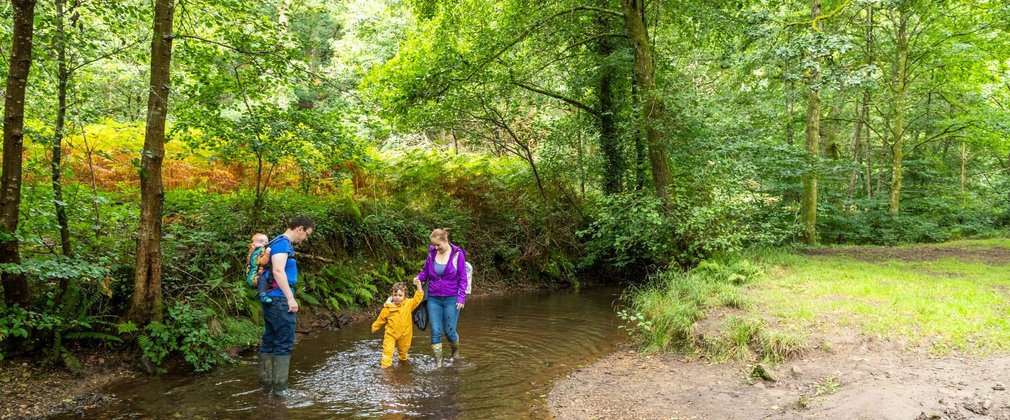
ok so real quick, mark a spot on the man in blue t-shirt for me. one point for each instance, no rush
(279, 315)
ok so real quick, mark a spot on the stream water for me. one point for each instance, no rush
(512, 350)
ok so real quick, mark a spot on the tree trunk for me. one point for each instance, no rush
(808, 205)
(146, 304)
(789, 195)
(868, 160)
(89, 152)
(15, 285)
(652, 105)
(641, 150)
(613, 162)
(829, 133)
(63, 78)
(258, 199)
(964, 166)
(582, 168)
(898, 130)
(790, 130)
(857, 144)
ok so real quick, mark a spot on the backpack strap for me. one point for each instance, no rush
(455, 262)
(270, 261)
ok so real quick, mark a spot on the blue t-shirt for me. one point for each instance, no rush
(283, 246)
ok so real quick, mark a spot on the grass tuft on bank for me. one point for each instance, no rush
(774, 305)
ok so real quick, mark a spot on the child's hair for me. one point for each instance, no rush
(253, 246)
(398, 286)
(252, 242)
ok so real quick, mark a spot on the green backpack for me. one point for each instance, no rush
(258, 264)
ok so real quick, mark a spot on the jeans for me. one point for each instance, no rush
(442, 316)
(279, 328)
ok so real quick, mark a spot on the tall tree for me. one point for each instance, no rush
(898, 86)
(62, 80)
(610, 142)
(653, 110)
(146, 304)
(15, 284)
(808, 205)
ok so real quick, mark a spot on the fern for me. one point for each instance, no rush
(71, 362)
(311, 300)
(91, 335)
(364, 294)
(333, 304)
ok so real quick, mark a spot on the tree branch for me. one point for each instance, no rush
(525, 34)
(103, 56)
(813, 22)
(262, 53)
(559, 97)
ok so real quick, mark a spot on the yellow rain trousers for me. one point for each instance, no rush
(399, 327)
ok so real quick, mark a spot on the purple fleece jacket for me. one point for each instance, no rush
(453, 281)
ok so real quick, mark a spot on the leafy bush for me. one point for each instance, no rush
(628, 229)
(926, 220)
(186, 330)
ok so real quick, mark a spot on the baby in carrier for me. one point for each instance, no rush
(255, 264)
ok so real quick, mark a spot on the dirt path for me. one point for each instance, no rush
(992, 255)
(30, 391)
(860, 380)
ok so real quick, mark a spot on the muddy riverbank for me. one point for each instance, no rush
(863, 379)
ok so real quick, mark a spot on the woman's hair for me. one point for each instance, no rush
(398, 286)
(440, 233)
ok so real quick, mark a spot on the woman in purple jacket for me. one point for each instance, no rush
(445, 273)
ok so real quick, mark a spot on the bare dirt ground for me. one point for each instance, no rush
(858, 380)
(919, 253)
(855, 377)
(30, 391)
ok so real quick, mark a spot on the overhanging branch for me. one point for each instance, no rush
(559, 97)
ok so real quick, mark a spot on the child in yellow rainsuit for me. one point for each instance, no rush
(396, 317)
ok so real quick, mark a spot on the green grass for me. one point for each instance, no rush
(944, 305)
(674, 302)
(788, 299)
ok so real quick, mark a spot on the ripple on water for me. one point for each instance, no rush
(513, 348)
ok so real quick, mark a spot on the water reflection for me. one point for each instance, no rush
(513, 348)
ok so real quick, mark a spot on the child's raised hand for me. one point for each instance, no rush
(417, 283)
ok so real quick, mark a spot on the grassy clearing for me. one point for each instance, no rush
(949, 304)
(941, 301)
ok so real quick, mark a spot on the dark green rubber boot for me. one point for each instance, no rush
(282, 365)
(266, 372)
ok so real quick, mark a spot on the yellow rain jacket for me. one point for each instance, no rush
(399, 327)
